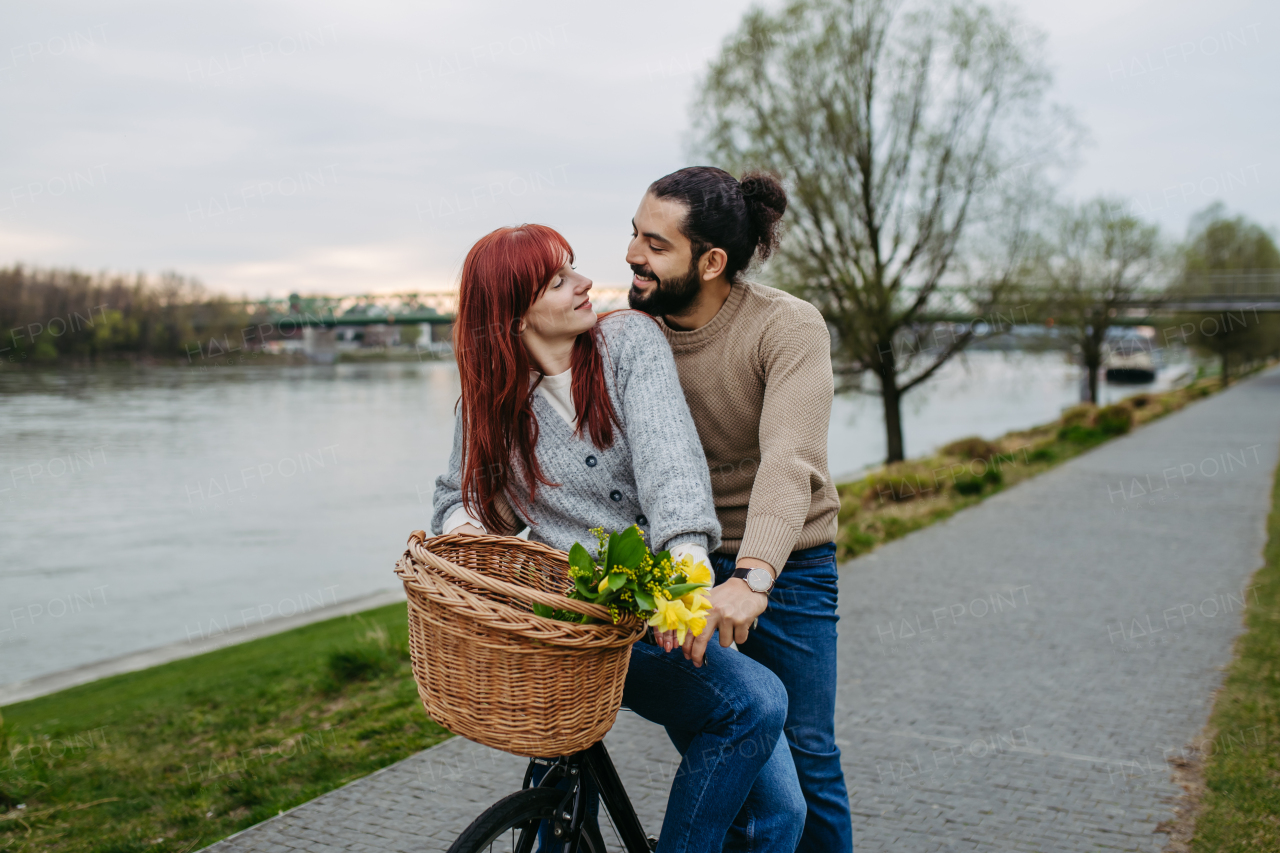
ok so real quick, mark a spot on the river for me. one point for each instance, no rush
(147, 506)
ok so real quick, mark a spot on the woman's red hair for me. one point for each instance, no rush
(504, 273)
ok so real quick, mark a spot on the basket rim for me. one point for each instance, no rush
(422, 584)
(418, 547)
(436, 580)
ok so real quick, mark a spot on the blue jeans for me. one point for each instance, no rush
(735, 788)
(796, 639)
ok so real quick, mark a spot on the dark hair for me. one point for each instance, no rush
(740, 217)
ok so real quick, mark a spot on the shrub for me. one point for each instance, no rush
(1043, 454)
(363, 663)
(374, 655)
(1114, 420)
(970, 484)
(899, 484)
(972, 447)
(1079, 415)
(1139, 401)
(857, 541)
(1084, 436)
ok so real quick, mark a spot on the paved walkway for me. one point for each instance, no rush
(1015, 678)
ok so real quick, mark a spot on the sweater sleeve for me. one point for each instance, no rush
(672, 478)
(448, 494)
(795, 353)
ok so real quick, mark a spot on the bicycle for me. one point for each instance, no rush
(517, 818)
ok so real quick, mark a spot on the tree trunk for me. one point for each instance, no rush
(893, 421)
(891, 396)
(1092, 363)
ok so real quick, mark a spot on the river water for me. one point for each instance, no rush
(141, 507)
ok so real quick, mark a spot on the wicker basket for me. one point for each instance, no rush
(488, 668)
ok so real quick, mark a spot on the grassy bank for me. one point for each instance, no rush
(893, 501)
(1239, 809)
(176, 757)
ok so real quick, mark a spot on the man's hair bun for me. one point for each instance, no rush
(766, 201)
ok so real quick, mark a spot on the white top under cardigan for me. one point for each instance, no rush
(558, 391)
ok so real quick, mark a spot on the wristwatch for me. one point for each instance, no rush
(758, 579)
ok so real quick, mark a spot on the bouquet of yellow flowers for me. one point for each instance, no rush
(626, 577)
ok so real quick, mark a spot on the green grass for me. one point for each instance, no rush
(198, 749)
(1240, 807)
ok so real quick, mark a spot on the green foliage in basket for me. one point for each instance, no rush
(626, 577)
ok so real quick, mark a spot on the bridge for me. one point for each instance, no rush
(318, 317)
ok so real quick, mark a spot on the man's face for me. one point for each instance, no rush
(665, 277)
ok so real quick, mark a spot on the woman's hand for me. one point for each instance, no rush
(666, 640)
(468, 530)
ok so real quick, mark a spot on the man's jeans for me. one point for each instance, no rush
(796, 639)
(735, 788)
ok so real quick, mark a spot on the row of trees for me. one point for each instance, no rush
(45, 314)
(921, 155)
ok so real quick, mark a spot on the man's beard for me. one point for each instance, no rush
(671, 297)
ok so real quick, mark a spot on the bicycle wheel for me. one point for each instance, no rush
(511, 825)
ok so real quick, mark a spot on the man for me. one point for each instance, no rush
(755, 366)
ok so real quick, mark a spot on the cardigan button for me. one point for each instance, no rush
(591, 461)
(641, 520)
(615, 495)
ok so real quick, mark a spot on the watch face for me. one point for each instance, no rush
(758, 580)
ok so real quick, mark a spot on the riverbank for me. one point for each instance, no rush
(175, 757)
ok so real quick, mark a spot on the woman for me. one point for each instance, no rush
(568, 422)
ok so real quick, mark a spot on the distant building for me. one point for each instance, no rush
(381, 335)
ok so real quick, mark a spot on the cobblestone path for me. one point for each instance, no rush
(1016, 678)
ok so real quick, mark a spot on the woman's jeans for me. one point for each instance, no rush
(796, 639)
(735, 788)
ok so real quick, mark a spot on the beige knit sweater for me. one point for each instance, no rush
(758, 382)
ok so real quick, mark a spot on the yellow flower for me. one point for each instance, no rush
(698, 608)
(699, 572)
(676, 615)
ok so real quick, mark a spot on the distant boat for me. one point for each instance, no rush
(1128, 360)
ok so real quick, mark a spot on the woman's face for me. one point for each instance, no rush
(563, 310)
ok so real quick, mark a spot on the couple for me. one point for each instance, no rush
(701, 417)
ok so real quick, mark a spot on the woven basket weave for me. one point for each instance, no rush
(488, 668)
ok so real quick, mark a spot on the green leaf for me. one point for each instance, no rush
(644, 600)
(579, 558)
(616, 581)
(543, 610)
(626, 549)
(674, 592)
(584, 589)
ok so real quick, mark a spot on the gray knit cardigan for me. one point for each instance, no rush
(654, 475)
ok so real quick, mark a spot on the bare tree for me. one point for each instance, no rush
(1096, 259)
(908, 140)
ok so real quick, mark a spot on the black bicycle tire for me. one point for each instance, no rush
(512, 811)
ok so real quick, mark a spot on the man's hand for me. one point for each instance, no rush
(734, 606)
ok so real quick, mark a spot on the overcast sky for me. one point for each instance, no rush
(270, 146)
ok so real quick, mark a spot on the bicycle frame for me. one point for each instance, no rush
(595, 761)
